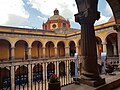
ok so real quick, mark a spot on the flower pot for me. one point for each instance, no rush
(54, 86)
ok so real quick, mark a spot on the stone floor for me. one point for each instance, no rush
(77, 87)
(108, 78)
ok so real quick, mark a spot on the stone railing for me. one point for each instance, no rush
(35, 74)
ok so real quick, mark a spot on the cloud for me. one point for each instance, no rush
(29, 27)
(42, 18)
(103, 19)
(12, 12)
(67, 8)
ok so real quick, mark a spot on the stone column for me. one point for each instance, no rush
(67, 52)
(114, 49)
(99, 50)
(29, 76)
(104, 46)
(67, 71)
(57, 68)
(77, 49)
(56, 54)
(43, 71)
(90, 74)
(29, 52)
(12, 78)
(43, 52)
(44, 74)
(12, 53)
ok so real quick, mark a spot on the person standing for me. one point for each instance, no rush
(103, 64)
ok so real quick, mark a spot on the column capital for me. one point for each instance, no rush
(29, 47)
(88, 15)
(12, 47)
(67, 47)
(104, 43)
(77, 46)
(43, 47)
(55, 47)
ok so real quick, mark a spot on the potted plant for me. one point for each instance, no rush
(54, 83)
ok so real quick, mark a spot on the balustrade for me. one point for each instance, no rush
(34, 74)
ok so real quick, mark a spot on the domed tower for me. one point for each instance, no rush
(56, 21)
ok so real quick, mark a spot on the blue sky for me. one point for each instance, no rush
(32, 13)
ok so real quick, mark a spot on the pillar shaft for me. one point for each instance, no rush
(67, 52)
(56, 53)
(104, 47)
(86, 17)
(77, 50)
(13, 53)
(88, 50)
(114, 49)
(12, 78)
(43, 52)
(29, 76)
(29, 53)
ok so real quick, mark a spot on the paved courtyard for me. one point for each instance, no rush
(108, 77)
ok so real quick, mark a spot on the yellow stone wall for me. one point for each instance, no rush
(4, 50)
(19, 51)
(20, 48)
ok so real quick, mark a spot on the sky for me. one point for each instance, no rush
(32, 13)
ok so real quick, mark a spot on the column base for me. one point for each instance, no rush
(93, 83)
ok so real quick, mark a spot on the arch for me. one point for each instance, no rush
(4, 78)
(50, 50)
(37, 50)
(50, 69)
(21, 70)
(108, 33)
(21, 50)
(112, 47)
(115, 9)
(61, 69)
(37, 73)
(72, 48)
(7, 39)
(72, 68)
(61, 49)
(22, 39)
(6, 47)
(21, 75)
(37, 41)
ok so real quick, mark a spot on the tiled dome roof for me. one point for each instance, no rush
(56, 16)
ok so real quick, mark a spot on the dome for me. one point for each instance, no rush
(111, 19)
(56, 16)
